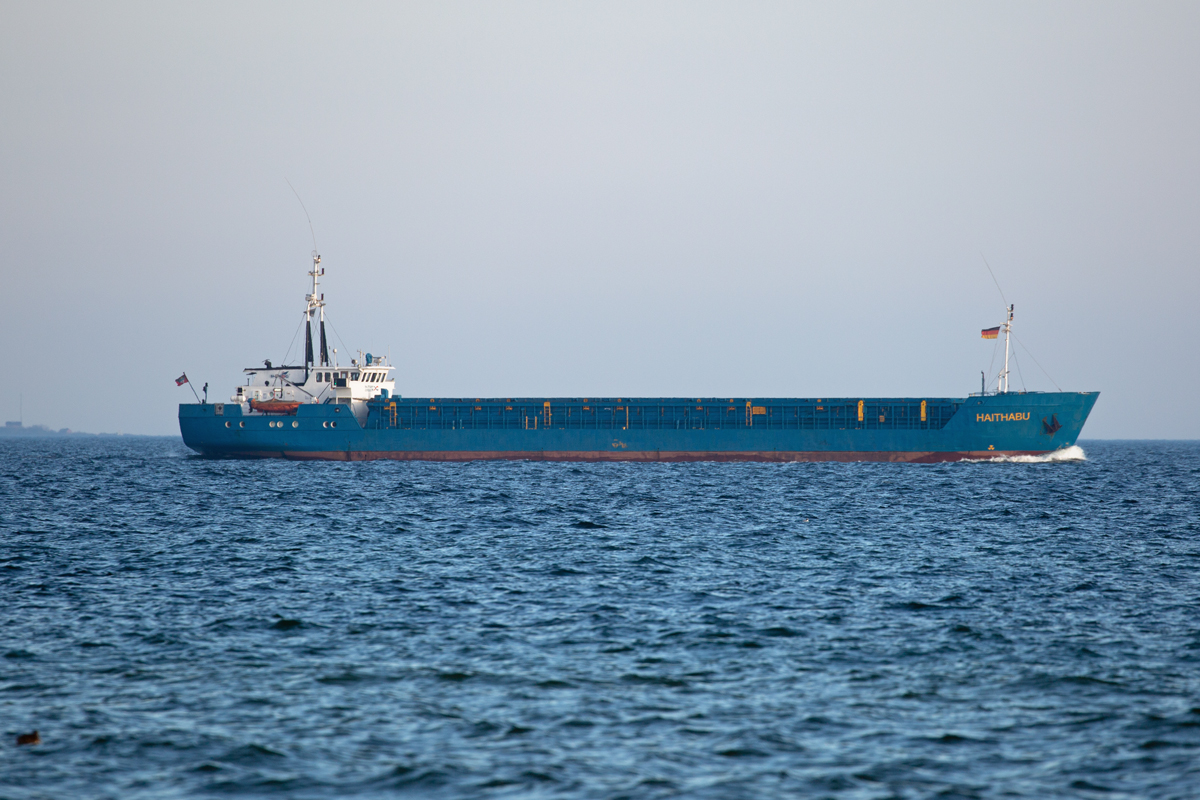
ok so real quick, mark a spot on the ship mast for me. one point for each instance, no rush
(1002, 378)
(315, 308)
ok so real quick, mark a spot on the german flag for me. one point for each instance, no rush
(990, 333)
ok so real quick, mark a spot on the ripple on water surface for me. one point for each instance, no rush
(181, 627)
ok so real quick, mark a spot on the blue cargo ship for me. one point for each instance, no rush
(323, 410)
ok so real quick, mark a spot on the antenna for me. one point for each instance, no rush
(985, 263)
(306, 216)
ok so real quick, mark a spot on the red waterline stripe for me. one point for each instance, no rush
(913, 457)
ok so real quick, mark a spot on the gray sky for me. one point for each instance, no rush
(602, 199)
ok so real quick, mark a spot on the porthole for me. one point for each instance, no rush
(228, 425)
(333, 424)
(295, 424)
(241, 424)
(324, 424)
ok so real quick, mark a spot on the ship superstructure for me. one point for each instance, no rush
(280, 390)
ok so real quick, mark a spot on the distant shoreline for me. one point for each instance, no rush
(17, 429)
(41, 431)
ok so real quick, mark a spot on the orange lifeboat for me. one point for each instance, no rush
(275, 406)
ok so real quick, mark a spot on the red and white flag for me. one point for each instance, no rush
(181, 380)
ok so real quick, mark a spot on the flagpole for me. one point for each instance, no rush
(1007, 334)
(193, 388)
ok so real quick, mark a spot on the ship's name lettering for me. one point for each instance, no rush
(1016, 416)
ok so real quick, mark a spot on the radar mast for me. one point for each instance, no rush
(315, 310)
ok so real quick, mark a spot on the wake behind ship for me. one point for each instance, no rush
(321, 409)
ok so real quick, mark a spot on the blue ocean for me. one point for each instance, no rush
(179, 627)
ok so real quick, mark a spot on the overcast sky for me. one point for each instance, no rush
(682, 199)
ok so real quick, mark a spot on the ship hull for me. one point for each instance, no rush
(642, 430)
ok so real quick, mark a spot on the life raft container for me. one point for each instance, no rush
(275, 406)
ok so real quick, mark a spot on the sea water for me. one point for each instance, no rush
(181, 627)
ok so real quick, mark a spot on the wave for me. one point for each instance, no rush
(1072, 453)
